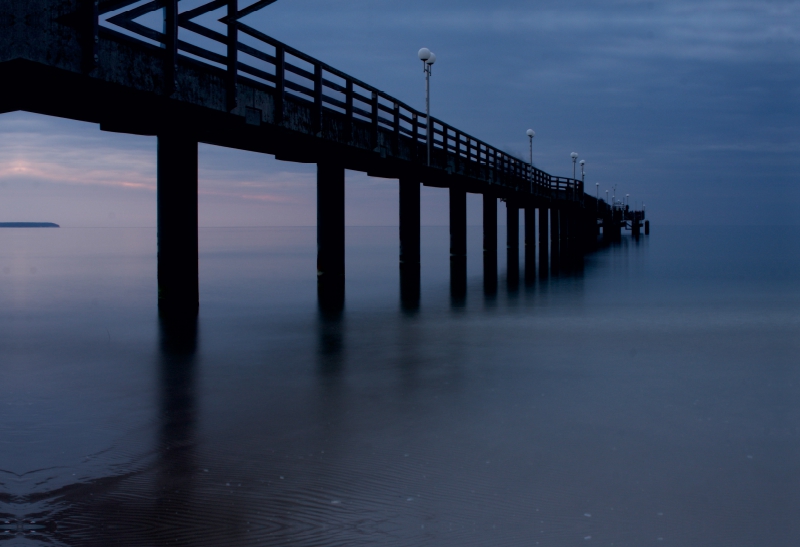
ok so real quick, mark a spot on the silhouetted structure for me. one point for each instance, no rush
(94, 61)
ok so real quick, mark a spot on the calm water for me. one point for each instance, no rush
(651, 399)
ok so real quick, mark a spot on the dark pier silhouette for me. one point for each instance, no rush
(94, 61)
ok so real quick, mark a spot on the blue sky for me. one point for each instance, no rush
(691, 107)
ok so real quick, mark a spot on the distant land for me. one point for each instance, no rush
(28, 225)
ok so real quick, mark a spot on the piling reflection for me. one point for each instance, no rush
(458, 280)
(530, 269)
(512, 265)
(178, 415)
(330, 343)
(410, 287)
(490, 272)
(330, 294)
(544, 262)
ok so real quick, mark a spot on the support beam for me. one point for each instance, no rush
(458, 241)
(489, 244)
(530, 242)
(409, 241)
(330, 234)
(512, 242)
(178, 293)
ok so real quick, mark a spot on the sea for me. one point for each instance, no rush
(647, 396)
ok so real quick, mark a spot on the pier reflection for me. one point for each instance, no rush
(177, 415)
(330, 343)
(410, 287)
(458, 281)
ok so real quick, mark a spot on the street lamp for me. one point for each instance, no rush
(531, 134)
(627, 200)
(597, 192)
(583, 162)
(428, 58)
(574, 157)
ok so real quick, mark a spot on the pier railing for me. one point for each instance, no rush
(270, 64)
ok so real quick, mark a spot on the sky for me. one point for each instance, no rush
(692, 107)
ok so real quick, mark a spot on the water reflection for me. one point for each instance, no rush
(512, 265)
(178, 415)
(490, 272)
(330, 344)
(458, 281)
(410, 287)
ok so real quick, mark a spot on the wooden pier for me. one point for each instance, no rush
(92, 61)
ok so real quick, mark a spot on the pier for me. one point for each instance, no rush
(93, 61)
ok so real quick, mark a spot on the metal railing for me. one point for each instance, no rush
(315, 85)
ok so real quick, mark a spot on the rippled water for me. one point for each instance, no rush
(651, 398)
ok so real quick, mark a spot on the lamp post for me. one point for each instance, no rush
(627, 200)
(583, 162)
(531, 134)
(597, 196)
(428, 58)
(574, 157)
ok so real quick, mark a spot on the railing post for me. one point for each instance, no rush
(318, 99)
(92, 44)
(233, 51)
(396, 128)
(280, 82)
(170, 47)
(415, 136)
(348, 108)
(375, 114)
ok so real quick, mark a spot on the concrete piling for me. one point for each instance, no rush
(458, 242)
(178, 290)
(330, 234)
(512, 242)
(489, 244)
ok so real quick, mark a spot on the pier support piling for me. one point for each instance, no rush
(178, 292)
(330, 234)
(543, 241)
(530, 243)
(409, 241)
(555, 240)
(489, 244)
(458, 241)
(512, 242)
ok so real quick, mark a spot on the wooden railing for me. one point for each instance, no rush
(273, 65)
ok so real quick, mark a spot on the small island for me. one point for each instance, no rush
(28, 225)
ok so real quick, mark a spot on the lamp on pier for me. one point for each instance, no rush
(583, 162)
(574, 157)
(531, 133)
(428, 58)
